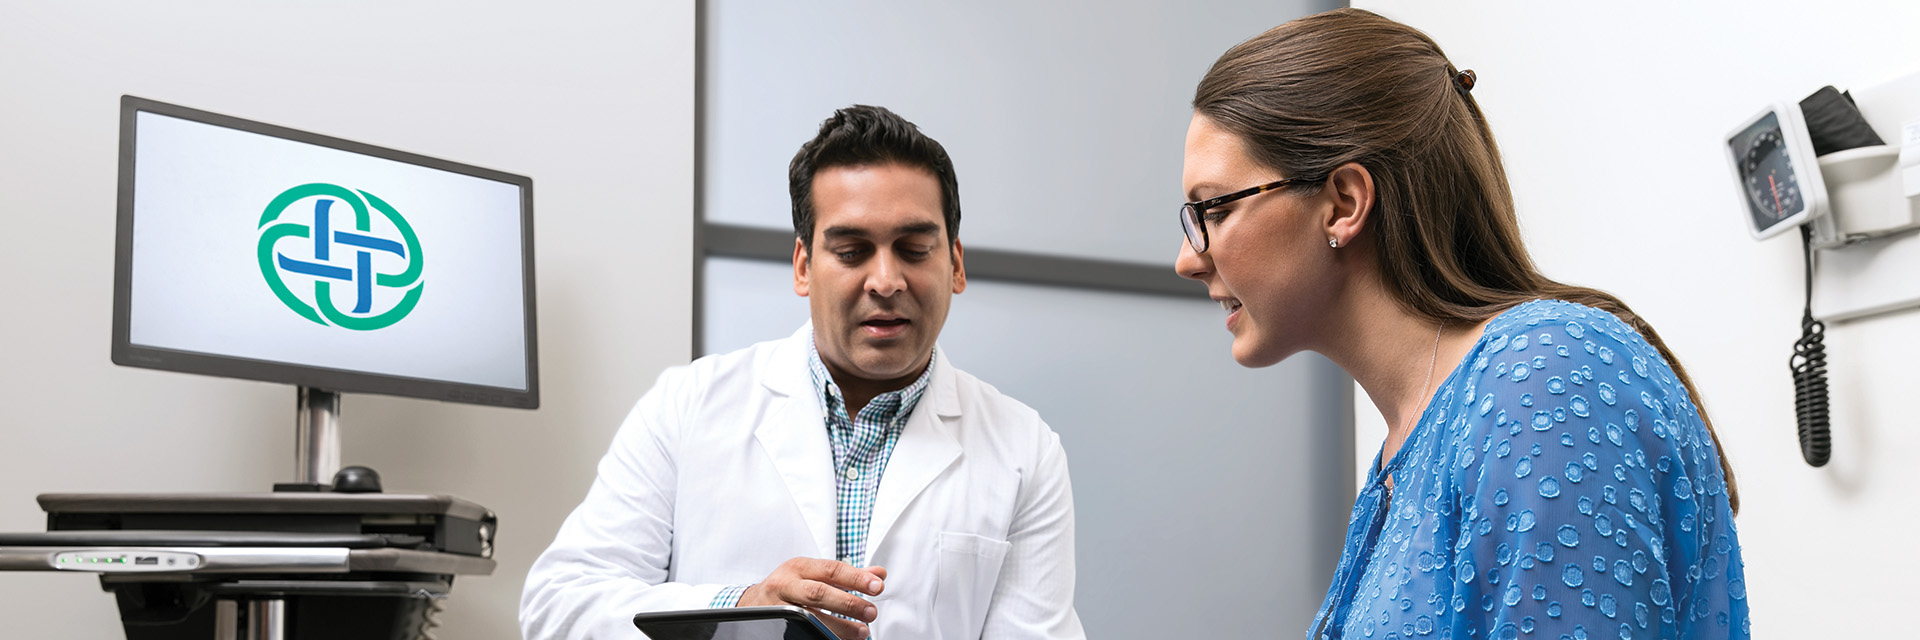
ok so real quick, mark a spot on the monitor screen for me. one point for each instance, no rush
(255, 251)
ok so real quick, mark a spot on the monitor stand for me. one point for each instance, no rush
(316, 441)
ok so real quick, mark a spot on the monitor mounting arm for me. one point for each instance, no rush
(316, 440)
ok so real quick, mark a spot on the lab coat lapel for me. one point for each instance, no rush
(794, 435)
(926, 448)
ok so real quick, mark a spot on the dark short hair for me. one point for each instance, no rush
(866, 135)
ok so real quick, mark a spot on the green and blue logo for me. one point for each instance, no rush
(356, 247)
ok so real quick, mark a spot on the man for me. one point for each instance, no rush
(849, 468)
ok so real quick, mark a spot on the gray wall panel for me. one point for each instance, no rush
(1065, 120)
(1211, 498)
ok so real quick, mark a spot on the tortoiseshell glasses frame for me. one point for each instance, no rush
(1192, 214)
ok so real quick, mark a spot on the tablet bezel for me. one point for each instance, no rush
(791, 614)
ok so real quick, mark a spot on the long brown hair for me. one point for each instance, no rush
(1351, 86)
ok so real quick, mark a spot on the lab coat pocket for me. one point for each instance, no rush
(968, 571)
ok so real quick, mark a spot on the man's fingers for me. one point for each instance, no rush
(845, 629)
(849, 577)
(820, 595)
(823, 584)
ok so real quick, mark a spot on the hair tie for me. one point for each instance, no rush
(1464, 80)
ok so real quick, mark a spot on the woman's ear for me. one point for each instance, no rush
(1350, 188)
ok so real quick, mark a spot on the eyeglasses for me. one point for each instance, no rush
(1191, 214)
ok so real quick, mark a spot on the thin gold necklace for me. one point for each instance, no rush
(1406, 425)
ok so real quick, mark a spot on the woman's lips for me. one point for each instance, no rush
(1232, 306)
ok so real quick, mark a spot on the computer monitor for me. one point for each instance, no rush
(249, 250)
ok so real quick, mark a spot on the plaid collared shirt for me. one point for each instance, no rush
(862, 444)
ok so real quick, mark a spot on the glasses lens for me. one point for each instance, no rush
(1190, 222)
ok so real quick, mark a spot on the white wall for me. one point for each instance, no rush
(1611, 118)
(594, 102)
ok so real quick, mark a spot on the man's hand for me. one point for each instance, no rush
(822, 585)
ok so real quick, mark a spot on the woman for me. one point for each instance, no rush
(1559, 480)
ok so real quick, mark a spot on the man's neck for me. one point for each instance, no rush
(857, 392)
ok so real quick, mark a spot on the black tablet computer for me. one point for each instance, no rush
(737, 623)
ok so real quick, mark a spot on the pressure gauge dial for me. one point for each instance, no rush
(1771, 186)
(1772, 158)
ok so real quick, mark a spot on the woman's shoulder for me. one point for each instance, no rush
(1575, 439)
(1573, 383)
(1536, 337)
(1568, 371)
(1578, 322)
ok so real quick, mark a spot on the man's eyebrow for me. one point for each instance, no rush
(910, 229)
(844, 232)
(918, 228)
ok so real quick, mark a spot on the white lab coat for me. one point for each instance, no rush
(724, 470)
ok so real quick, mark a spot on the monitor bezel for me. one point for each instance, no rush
(126, 353)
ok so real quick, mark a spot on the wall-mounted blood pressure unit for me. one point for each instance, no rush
(1817, 166)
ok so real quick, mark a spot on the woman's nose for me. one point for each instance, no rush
(1190, 264)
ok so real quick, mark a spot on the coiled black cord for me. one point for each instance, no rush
(1809, 366)
(430, 619)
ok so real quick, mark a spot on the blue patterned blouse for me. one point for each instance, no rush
(1559, 484)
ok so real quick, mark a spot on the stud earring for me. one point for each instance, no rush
(1333, 242)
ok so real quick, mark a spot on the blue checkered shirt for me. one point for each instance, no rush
(861, 446)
